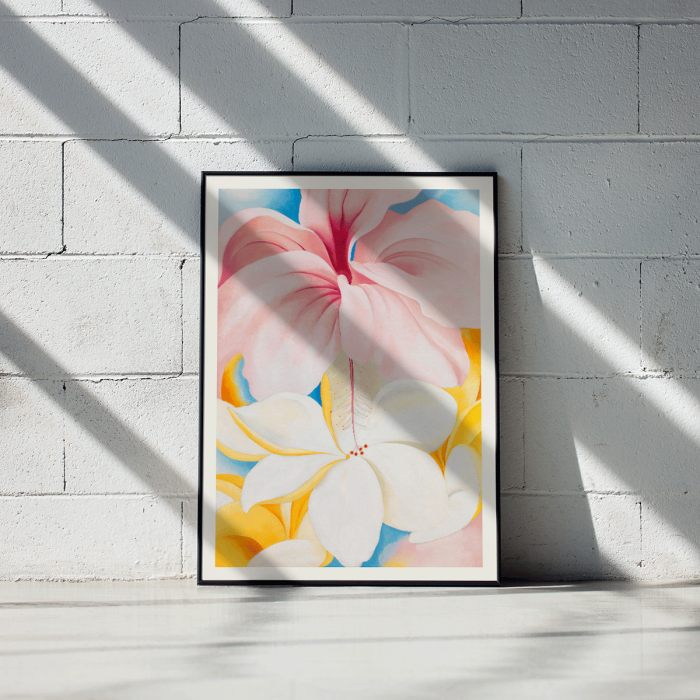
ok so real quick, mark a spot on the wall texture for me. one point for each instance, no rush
(109, 109)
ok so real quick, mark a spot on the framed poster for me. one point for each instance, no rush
(349, 428)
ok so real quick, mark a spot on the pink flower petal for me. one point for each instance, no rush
(253, 234)
(341, 216)
(378, 324)
(281, 314)
(430, 254)
(463, 548)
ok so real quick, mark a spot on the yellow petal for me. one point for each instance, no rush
(258, 524)
(235, 551)
(230, 484)
(470, 391)
(468, 427)
(230, 391)
(299, 509)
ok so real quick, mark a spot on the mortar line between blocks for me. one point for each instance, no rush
(641, 317)
(630, 138)
(409, 108)
(182, 537)
(639, 97)
(38, 257)
(522, 436)
(522, 237)
(352, 19)
(182, 317)
(63, 196)
(64, 439)
(179, 78)
(117, 495)
(98, 378)
(641, 535)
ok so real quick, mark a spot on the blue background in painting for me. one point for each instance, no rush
(287, 202)
(457, 200)
(284, 201)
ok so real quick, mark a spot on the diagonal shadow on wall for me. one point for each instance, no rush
(67, 108)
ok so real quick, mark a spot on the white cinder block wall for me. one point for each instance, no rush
(588, 109)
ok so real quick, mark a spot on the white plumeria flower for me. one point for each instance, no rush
(378, 470)
(463, 489)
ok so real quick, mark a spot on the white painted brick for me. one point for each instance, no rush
(137, 436)
(626, 434)
(569, 317)
(144, 196)
(30, 192)
(422, 8)
(408, 155)
(510, 402)
(670, 536)
(94, 537)
(669, 92)
(179, 8)
(102, 78)
(293, 80)
(670, 321)
(31, 423)
(189, 537)
(191, 328)
(611, 198)
(570, 537)
(79, 316)
(490, 79)
(30, 8)
(611, 8)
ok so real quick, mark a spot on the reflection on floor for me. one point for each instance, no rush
(170, 639)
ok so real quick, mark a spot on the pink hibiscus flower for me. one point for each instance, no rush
(290, 297)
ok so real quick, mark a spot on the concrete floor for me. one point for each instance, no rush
(170, 639)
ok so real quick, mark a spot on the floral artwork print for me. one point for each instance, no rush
(348, 421)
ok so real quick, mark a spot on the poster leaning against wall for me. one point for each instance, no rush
(349, 428)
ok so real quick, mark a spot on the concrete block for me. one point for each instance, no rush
(669, 93)
(670, 324)
(189, 537)
(531, 79)
(132, 436)
(30, 8)
(611, 198)
(191, 324)
(30, 190)
(670, 535)
(76, 316)
(179, 8)
(78, 78)
(571, 537)
(611, 8)
(406, 155)
(510, 402)
(424, 8)
(89, 537)
(31, 423)
(144, 196)
(569, 316)
(638, 436)
(319, 79)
